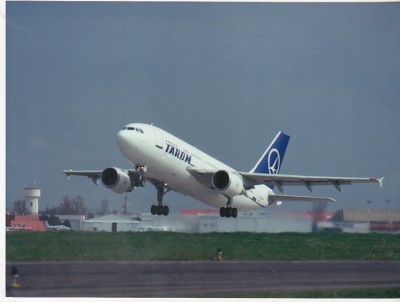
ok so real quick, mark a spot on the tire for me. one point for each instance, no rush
(234, 212)
(165, 210)
(222, 212)
(153, 210)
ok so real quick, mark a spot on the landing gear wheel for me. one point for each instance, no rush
(153, 210)
(165, 210)
(234, 212)
(222, 212)
(159, 210)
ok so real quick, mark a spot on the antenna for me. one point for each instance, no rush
(125, 205)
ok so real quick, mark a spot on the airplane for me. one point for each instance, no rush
(60, 227)
(169, 163)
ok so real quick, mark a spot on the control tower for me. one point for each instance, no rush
(31, 196)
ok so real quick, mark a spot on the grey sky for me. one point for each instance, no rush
(224, 77)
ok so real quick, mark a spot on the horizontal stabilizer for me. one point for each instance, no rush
(277, 197)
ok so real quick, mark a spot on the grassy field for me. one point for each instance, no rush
(178, 246)
(385, 293)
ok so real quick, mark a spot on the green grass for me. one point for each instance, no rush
(179, 246)
(384, 293)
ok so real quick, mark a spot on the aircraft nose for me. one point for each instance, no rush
(122, 139)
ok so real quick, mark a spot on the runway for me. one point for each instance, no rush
(195, 278)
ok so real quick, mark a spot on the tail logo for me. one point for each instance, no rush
(274, 161)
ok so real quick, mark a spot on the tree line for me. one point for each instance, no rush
(68, 206)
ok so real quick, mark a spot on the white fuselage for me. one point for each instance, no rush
(167, 157)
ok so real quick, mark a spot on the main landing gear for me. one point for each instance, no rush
(160, 209)
(228, 211)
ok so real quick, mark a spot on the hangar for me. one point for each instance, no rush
(364, 220)
(366, 215)
(112, 223)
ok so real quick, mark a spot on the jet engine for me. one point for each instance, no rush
(231, 184)
(116, 180)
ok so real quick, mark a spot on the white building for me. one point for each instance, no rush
(76, 221)
(112, 223)
(31, 196)
(255, 223)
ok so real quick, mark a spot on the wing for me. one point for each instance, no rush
(137, 178)
(281, 180)
(94, 175)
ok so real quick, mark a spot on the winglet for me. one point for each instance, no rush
(67, 174)
(380, 181)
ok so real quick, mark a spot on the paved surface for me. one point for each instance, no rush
(195, 278)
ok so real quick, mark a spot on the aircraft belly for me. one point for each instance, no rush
(215, 199)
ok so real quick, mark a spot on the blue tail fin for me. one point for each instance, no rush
(271, 161)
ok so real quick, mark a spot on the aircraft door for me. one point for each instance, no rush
(159, 139)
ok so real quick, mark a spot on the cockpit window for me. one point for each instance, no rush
(133, 128)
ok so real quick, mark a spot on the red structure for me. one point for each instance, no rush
(385, 226)
(317, 217)
(29, 223)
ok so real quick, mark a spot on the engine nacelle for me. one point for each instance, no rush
(229, 183)
(116, 180)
